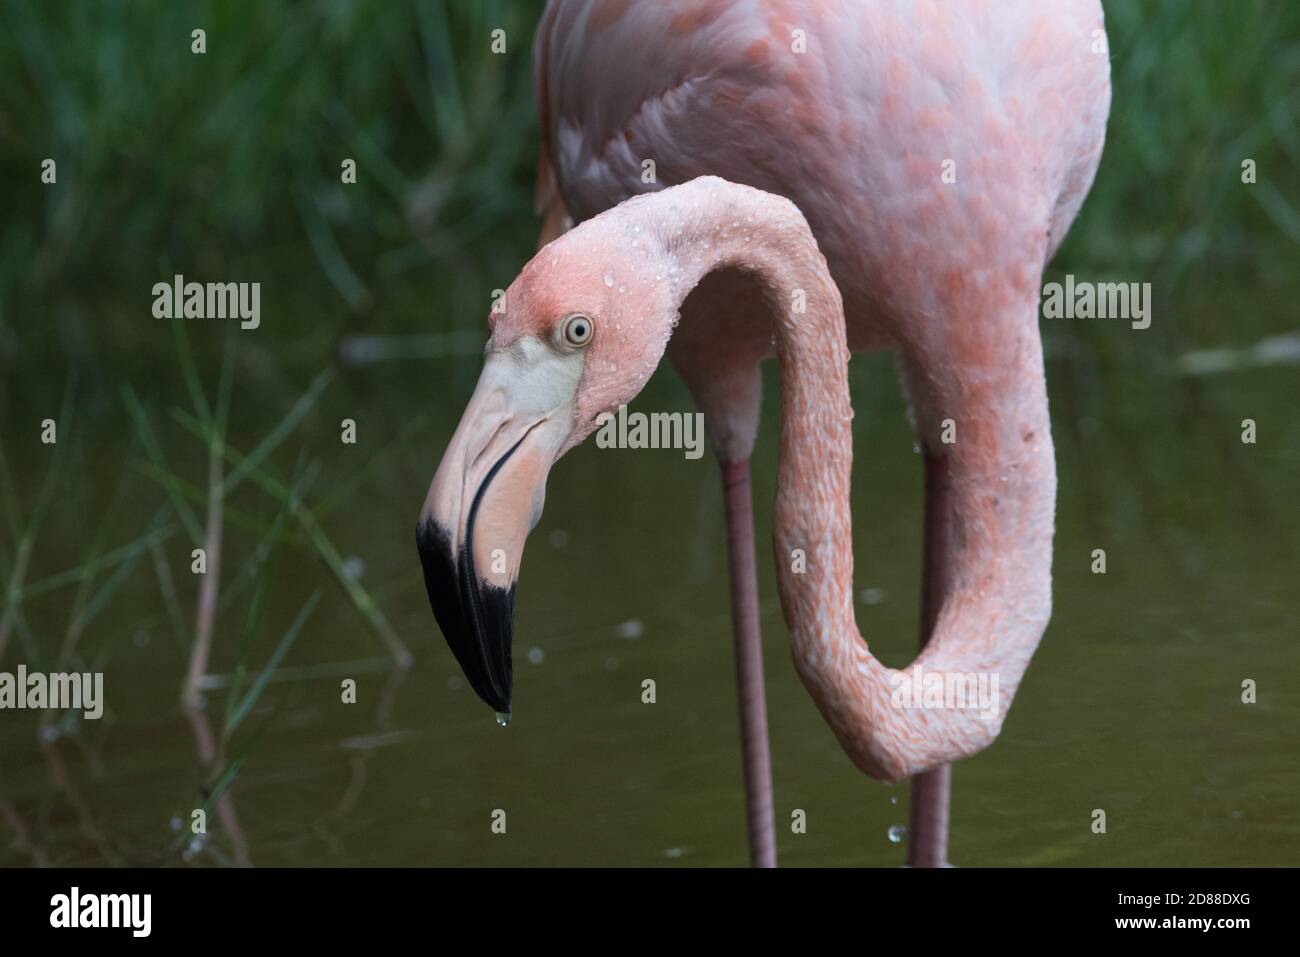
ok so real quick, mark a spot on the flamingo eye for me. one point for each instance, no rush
(577, 329)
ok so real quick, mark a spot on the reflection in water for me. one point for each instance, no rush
(210, 760)
(86, 822)
(363, 748)
(22, 835)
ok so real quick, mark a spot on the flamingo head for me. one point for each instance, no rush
(577, 334)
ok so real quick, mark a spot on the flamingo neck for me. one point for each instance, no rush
(722, 225)
(1001, 486)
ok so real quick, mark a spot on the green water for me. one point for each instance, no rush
(1132, 704)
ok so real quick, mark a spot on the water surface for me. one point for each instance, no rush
(1132, 704)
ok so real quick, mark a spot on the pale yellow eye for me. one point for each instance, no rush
(577, 329)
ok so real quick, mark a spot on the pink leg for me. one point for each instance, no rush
(928, 828)
(749, 663)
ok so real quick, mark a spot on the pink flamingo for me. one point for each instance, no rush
(939, 151)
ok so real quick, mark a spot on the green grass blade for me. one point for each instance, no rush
(260, 682)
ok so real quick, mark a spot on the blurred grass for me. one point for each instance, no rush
(228, 163)
(1199, 87)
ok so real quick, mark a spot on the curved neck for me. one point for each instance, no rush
(713, 224)
(1001, 485)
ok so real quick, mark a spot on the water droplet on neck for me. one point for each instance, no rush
(503, 718)
(896, 833)
(609, 280)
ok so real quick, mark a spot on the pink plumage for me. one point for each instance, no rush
(939, 150)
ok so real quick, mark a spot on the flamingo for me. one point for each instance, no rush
(938, 150)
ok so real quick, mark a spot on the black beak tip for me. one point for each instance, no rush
(475, 616)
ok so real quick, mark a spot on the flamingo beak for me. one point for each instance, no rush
(486, 496)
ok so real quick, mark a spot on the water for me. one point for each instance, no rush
(1132, 705)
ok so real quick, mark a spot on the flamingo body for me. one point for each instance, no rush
(938, 151)
(856, 131)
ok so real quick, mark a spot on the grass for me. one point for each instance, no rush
(96, 579)
(25, 534)
(228, 163)
(1198, 89)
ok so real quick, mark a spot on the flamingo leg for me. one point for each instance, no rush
(928, 826)
(749, 663)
